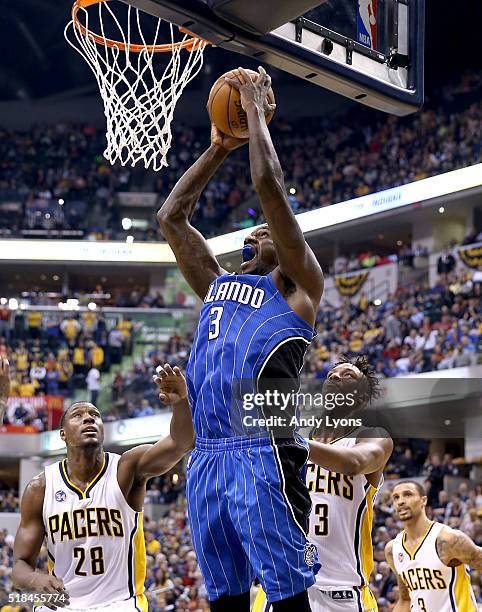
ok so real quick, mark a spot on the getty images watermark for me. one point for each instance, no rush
(274, 408)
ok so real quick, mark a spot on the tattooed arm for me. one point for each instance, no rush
(455, 548)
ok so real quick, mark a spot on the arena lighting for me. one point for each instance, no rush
(130, 239)
(70, 304)
(61, 202)
(92, 306)
(292, 190)
(175, 478)
(13, 304)
(55, 277)
(377, 302)
(441, 210)
(3, 301)
(146, 252)
(126, 223)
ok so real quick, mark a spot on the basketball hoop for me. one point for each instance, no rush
(139, 98)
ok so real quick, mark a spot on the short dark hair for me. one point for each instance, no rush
(420, 488)
(361, 362)
(68, 409)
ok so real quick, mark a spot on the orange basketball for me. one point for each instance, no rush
(225, 110)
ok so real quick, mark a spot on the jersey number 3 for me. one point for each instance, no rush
(215, 315)
(321, 525)
(96, 560)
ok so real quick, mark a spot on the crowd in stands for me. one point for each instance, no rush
(52, 355)
(417, 329)
(8, 498)
(137, 297)
(133, 393)
(54, 179)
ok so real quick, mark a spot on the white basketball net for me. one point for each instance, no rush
(138, 103)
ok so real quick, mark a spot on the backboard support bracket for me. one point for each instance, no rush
(391, 83)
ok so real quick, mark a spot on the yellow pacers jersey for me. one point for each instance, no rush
(341, 524)
(95, 540)
(433, 586)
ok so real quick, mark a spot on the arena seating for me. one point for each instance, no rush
(54, 182)
(418, 329)
(53, 358)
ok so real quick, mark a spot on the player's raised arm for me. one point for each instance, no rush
(296, 259)
(403, 603)
(193, 254)
(150, 460)
(367, 456)
(28, 542)
(4, 387)
(454, 548)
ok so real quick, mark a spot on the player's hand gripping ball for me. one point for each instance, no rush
(224, 103)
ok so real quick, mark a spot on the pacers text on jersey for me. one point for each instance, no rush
(86, 523)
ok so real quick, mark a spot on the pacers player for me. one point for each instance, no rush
(89, 506)
(343, 476)
(246, 497)
(430, 560)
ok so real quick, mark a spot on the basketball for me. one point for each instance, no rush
(225, 110)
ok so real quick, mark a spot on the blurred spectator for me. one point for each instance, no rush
(116, 342)
(446, 263)
(5, 316)
(93, 384)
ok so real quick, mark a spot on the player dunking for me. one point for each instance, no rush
(90, 508)
(343, 476)
(248, 504)
(430, 559)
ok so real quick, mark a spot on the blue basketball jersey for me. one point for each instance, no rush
(246, 330)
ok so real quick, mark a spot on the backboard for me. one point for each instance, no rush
(371, 51)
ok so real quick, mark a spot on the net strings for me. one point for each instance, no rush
(139, 100)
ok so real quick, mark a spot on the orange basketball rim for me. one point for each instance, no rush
(189, 43)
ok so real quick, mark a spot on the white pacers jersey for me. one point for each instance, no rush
(341, 524)
(433, 586)
(95, 540)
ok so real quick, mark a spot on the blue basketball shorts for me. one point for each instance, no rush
(248, 510)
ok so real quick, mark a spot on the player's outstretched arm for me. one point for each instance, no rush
(296, 259)
(150, 460)
(28, 542)
(369, 455)
(193, 254)
(455, 547)
(403, 604)
(4, 387)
